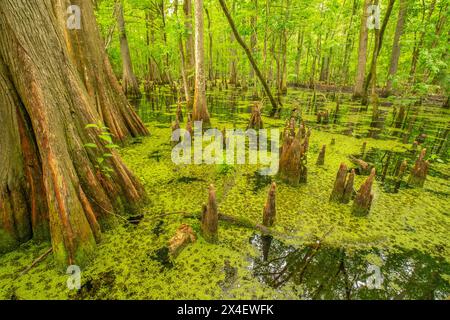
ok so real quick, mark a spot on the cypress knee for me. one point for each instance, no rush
(401, 173)
(321, 157)
(348, 190)
(364, 197)
(270, 210)
(255, 118)
(339, 184)
(419, 171)
(293, 156)
(210, 217)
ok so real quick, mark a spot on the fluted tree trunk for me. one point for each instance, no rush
(49, 184)
(129, 81)
(200, 109)
(89, 57)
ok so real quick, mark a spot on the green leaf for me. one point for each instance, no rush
(111, 146)
(90, 145)
(91, 125)
(107, 155)
(100, 160)
(105, 137)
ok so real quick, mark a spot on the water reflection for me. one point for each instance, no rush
(320, 272)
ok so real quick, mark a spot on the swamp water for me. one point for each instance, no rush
(320, 251)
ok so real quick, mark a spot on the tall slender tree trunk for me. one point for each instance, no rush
(372, 75)
(233, 63)
(298, 56)
(129, 81)
(418, 46)
(349, 43)
(190, 54)
(200, 110)
(396, 47)
(254, 36)
(210, 51)
(362, 53)
(152, 70)
(49, 185)
(187, 94)
(166, 61)
(250, 57)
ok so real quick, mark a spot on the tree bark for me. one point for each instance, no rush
(233, 63)
(210, 51)
(190, 51)
(372, 76)
(418, 46)
(200, 110)
(130, 84)
(187, 93)
(362, 53)
(349, 43)
(249, 55)
(254, 36)
(49, 186)
(298, 56)
(396, 46)
(95, 70)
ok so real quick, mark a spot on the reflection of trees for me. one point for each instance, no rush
(320, 272)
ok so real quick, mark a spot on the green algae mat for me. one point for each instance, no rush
(316, 250)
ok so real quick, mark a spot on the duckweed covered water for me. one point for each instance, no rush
(320, 251)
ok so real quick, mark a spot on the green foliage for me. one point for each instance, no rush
(105, 136)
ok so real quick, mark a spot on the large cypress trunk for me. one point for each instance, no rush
(49, 185)
(89, 57)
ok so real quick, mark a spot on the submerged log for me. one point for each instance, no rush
(269, 213)
(321, 157)
(339, 184)
(419, 171)
(255, 118)
(210, 217)
(364, 196)
(183, 236)
(363, 166)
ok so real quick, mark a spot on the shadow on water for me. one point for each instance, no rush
(333, 273)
